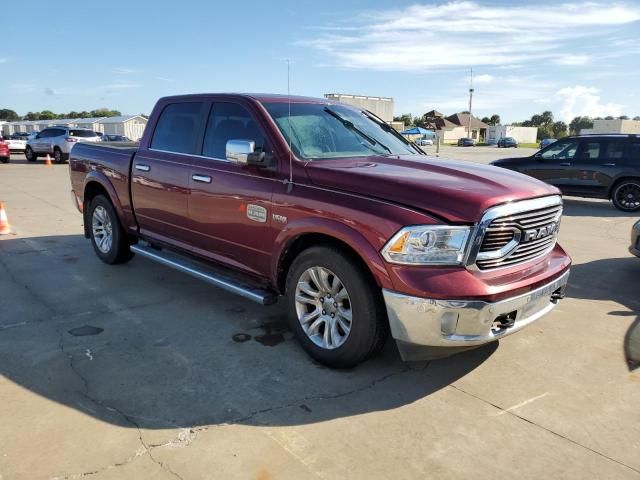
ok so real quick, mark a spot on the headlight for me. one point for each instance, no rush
(427, 245)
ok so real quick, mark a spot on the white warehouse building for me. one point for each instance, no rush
(131, 126)
(520, 134)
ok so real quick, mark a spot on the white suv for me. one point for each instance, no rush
(58, 142)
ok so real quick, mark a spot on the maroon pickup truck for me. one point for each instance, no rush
(325, 204)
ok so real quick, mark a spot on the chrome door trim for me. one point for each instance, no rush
(142, 167)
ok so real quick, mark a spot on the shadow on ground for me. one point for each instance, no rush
(140, 345)
(616, 279)
(582, 207)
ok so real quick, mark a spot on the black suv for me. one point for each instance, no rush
(597, 166)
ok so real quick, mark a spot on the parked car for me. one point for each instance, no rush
(327, 205)
(57, 141)
(16, 145)
(507, 142)
(545, 142)
(466, 142)
(5, 153)
(635, 239)
(19, 136)
(115, 138)
(594, 166)
(424, 141)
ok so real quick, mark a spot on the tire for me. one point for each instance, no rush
(103, 218)
(30, 155)
(626, 195)
(58, 156)
(368, 327)
(4, 159)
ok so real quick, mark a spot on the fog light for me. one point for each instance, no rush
(449, 323)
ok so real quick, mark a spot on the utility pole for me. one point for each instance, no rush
(470, 101)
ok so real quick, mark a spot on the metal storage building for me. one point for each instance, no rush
(131, 126)
(381, 106)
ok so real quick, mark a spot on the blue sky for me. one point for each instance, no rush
(572, 58)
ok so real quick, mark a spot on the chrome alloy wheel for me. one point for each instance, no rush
(323, 307)
(102, 229)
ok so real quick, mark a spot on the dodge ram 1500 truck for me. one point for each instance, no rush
(325, 204)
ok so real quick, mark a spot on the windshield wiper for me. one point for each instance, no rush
(355, 129)
(388, 128)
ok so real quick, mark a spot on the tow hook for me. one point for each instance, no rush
(557, 295)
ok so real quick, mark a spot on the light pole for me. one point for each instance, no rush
(470, 102)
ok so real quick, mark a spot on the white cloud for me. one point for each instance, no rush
(484, 78)
(464, 33)
(125, 70)
(572, 60)
(117, 86)
(580, 100)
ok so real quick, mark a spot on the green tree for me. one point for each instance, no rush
(623, 117)
(31, 116)
(8, 115)
(547, 117)
(47, 115)
(559, 129)
(609, 117)
(580, 123)
(637, 117)
(405, 118)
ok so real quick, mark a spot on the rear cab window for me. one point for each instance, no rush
(178, 128)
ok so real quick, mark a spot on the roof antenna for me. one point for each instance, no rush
(290, 186)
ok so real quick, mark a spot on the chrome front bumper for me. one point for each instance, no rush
(460, 324)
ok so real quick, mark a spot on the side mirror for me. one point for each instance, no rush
(243, 152)
(537, 156)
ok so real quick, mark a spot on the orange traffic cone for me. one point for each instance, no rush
(5, 228)
(47, 162)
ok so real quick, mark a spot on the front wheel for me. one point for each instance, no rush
(30, 155)
(626, 195)
(107, 235)
(334, 307)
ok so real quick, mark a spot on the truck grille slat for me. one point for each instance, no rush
(536, 231)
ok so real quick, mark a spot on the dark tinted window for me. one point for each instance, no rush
(634, 153)
(46, 133)
(590, 150)
(229, 121)
(613, 150)
(177, 128)
(82, 133)
(56, 132)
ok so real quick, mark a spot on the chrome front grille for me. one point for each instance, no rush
(519, 236)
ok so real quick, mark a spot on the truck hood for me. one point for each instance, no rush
(454, 190)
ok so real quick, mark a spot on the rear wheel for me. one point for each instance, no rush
(107, 235)
(4, 159)
(334, 307)
(30, 155)
(57, 155)
(626, 195)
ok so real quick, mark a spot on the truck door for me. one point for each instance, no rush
(230, 204)
(160, 173)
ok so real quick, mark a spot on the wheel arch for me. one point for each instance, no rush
(619, 180)
(97, 184)
(293, 241)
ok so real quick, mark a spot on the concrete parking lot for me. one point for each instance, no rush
(137, 371)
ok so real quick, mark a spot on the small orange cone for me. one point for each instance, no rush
(5, 228)
(47, 162)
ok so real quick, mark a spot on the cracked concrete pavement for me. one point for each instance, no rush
(166, 389)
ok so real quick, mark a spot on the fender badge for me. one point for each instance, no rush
(256, 213)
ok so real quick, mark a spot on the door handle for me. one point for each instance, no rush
(565, 164)
(201, 178)
(142, 168)
(609, 164)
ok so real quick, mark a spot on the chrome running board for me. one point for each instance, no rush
(207, 273)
